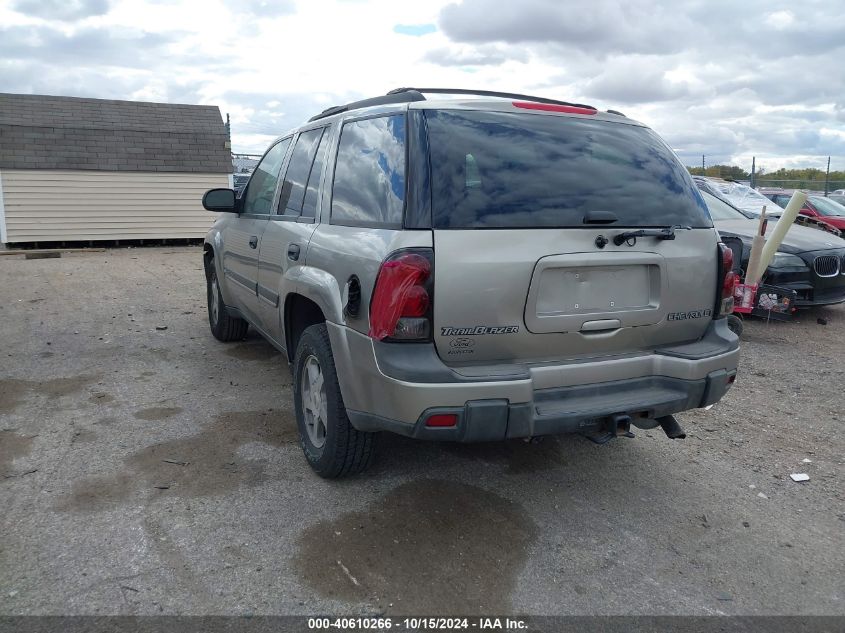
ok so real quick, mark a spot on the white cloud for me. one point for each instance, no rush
(780, 19)
(727, 79)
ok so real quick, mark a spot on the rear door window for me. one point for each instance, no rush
(298, 172)
(309, 205)
(509, 170)
(369, 178)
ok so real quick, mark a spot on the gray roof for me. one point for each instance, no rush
(45, 132)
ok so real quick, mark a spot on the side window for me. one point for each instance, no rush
(299, 168)
(369, 179)
(258, 198)
(309, 207)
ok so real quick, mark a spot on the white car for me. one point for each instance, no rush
(739, 195)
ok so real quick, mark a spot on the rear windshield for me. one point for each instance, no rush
(506, 170)
(721, 210)
(743, 194)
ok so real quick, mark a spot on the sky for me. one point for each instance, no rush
(727, 79)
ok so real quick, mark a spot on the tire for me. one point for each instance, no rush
(735, 324)
(224, 326)
(332, 446)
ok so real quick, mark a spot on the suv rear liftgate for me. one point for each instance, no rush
(541, 221)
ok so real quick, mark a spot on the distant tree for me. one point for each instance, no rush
(720, 171)
(806, 178)
(798, 178)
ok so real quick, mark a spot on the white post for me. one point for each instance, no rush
(784, 223)
(752, 274)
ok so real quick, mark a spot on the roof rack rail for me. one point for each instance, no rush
(390, 97)
(407, 95)
(490, 93)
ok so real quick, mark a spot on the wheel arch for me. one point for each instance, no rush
(300, 313)
(208, 255)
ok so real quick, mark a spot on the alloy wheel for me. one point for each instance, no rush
(314, 408)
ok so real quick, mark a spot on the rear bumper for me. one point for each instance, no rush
(397, 387)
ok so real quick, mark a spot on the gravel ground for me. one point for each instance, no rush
(149, 470)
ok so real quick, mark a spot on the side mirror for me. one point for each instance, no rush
(222, 200)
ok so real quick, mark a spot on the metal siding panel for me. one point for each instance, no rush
(61, 205)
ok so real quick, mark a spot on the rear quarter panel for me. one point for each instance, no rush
(344, 251)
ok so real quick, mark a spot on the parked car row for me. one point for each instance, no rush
(819, 212)
(825, 209)
(239, 181)
(808, 261)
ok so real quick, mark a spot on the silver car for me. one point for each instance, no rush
(474, 269)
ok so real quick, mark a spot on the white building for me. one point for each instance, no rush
(74, 169)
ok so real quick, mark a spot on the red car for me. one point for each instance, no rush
(816, 206)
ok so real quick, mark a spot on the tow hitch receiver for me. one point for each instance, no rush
(621, 426)
(618, 426)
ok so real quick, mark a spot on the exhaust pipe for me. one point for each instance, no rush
(671, 427)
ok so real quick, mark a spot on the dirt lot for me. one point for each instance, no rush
(151, 470)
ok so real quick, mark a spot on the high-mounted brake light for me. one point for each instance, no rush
(729, 280)
(401, 304)
(551, 107)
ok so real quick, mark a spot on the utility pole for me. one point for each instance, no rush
(753, 169)
(827, 177)
(702, 165)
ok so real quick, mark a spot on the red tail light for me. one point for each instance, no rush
(401, 304)
(729, 280)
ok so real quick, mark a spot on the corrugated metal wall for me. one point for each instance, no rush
(56, 206)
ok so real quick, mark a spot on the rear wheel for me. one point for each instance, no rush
(224, 326)
(332, 446)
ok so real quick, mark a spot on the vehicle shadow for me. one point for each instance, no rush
(512, 457)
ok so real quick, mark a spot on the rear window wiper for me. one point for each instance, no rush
(666, 233)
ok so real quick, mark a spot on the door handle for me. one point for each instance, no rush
(293, 252)
(603, 325)
(253, 241)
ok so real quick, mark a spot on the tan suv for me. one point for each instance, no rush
(474, 269)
